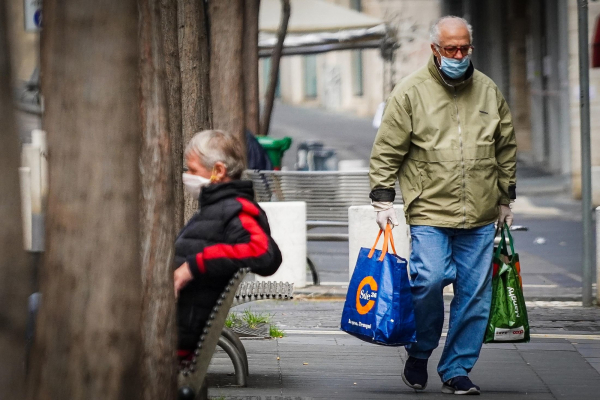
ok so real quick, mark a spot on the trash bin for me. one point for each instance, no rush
(275, 148)
(313, 156)
(305, 151)
(324, 160)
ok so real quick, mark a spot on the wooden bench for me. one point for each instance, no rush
(192, 373)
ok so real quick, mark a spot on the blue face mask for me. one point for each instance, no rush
(454, 68)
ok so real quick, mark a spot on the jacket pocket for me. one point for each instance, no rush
(483, 189)
(411, 182)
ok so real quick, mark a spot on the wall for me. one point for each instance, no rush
(594, 13)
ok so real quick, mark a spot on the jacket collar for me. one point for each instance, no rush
(217, 192)
(445, 81)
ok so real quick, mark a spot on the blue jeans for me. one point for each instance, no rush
(463, 258)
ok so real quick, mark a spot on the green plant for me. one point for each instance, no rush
(254, 319)
(275, 332)
(232, 320)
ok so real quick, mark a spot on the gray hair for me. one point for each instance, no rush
(212, 146)
(434, 33)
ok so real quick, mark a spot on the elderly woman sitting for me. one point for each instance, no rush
(230, 231)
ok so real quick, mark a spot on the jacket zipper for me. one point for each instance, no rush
(462, 159)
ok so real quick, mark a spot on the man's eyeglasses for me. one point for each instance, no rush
(452, 50)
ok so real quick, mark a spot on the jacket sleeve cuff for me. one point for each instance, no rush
(383, 195)
(507, 198)
(504, 201)
(512, 192)
(196, 264)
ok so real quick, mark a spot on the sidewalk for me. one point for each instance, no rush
(317, 361)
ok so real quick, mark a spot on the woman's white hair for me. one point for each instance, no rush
(212, 146)
(434, 33)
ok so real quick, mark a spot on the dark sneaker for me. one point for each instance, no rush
(460, 385)
(415, 373)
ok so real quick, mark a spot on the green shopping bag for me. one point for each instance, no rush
(508, 321)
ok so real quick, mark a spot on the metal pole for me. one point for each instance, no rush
(597, 255)
(586, 164)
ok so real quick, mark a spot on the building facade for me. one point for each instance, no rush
(528, 47)
(357, 81)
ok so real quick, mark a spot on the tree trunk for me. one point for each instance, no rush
(195, 86)
(168, 20)
(88, 342)
(250, 63)
(274, 73)
(15, 278)
(226, 71)
(157, 224)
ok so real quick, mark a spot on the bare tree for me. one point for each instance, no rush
(274, 73)
(250, 65)
(226, 71)
(195, 66)
(157, 223)
(87, 344)
(15, 278)
(168, 19)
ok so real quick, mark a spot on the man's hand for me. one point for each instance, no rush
(387, 215)
(181, 278)
(505, 216)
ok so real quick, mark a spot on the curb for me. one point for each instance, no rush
(330, 292)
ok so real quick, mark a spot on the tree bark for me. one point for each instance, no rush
(226, 68)
(250, 64)
(15, 278)
(88, 342)
(195, 66)
(157, 224)
(274, 73)
(168, 20)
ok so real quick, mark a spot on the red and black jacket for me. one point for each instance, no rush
(229, 232)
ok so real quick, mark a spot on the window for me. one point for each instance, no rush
(357, 59)
(357, 72)
(310, 76)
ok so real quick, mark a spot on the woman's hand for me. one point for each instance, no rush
(181, 277)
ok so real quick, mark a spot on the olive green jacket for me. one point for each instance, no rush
(452, 147)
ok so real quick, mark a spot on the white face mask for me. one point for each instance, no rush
(194, 184)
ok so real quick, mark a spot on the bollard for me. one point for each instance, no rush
(287, 220)
(38, 138)
(25, 180)
(32, 158)
(362, 231)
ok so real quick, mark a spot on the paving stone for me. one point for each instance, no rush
(596, 366)
(589, 353)
(566, 374)
(562, 345)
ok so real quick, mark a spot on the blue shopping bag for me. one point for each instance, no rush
(379, 307)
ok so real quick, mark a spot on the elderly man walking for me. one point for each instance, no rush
(447, 136)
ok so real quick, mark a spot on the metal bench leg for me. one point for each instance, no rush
(313, 271)
(235, 340)
(236, 359)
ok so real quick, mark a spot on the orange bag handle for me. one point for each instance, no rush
(387, 238)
